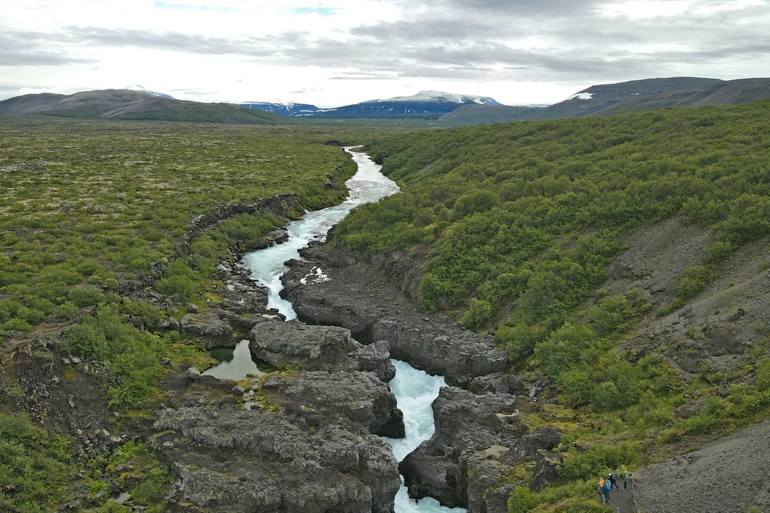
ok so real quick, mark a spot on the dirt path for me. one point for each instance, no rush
(622, 501)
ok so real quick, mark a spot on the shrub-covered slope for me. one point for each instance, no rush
(519, 224)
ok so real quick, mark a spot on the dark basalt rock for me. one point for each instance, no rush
(249, 461)
(425, 340)
(291, 344)
(477, 438)
(342, 397)
(546, 469)
(497, 383)
(214, 331)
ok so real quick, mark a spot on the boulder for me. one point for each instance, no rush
(546, 469)
(497, 383)
(342, 397)
(168, 324)
(329, 348)
(214, 332)
(722, 338)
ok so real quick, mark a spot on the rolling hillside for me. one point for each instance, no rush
(622, 98)
(134, 105)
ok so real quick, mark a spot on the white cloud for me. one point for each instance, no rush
(339, 52)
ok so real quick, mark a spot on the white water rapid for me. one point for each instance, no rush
(415, 390)
(366, 186)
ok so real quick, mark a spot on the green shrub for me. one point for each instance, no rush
(65, 311)
(478, 314)
(519, 340)
(34, 466)
(17, 324)
(568, 347)
(522, 500)
(763, 374)
(718, 251)
(598, 460)
(179, 279)
(85, 296)
(691, 282)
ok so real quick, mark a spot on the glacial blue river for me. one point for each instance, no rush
(414, 389)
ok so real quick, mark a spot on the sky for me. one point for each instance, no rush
(334, 53)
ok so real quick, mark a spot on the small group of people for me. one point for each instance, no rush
(606, 484)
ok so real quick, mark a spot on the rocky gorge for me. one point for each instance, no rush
(332, 378)
(307, 436)
(480, 434)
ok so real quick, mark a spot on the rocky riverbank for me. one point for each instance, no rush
(372, 310)
(480, 435)
(292, 441)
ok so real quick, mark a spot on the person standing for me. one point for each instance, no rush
(613, 481)
(607, 488)
(601, 490)
(628, 477)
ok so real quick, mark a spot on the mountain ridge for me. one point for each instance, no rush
(426, 103)
(133, 105)
(447, 109)
(627, 97)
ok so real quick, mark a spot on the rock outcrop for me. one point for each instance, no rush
(318, 398)
(213, 331)
(477, 438)
(277, 206)
(329, 348)
(229, 460)
(425, 340)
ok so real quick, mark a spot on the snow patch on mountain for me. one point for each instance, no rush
(142, 89)
(581, 96)
(276, 104)
(439, 96)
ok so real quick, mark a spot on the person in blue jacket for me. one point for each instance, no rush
(607, 488)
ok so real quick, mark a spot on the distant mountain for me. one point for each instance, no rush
(721, 93)
(425, 104)
(621, 98)
(287, 110)
(137, 105)
(599, 97)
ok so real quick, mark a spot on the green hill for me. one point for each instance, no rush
(567, 239)
(134, 105)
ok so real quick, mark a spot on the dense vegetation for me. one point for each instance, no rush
(86, 206)
(517, 223)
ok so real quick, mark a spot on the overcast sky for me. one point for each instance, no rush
(334, 53)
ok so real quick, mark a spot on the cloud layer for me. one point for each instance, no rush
(341, 52)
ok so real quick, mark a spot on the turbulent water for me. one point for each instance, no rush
(266, 265)
(414, 389)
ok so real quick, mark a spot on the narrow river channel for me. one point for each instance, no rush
(415, 390)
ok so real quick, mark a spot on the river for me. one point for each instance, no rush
(414, 389)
